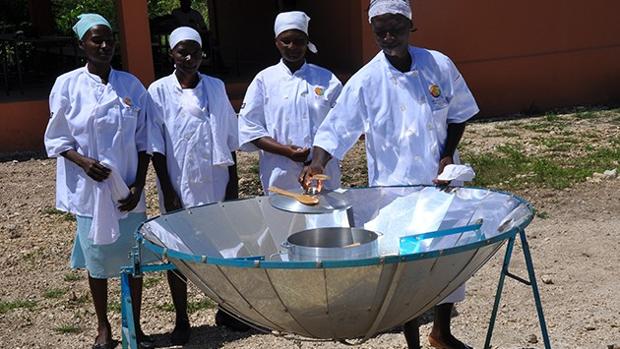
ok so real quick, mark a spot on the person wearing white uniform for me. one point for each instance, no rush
(192, 137)
(97, 132)
(412, 104)
(284, 106)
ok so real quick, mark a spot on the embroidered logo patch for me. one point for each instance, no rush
(319, 91)
(435, 90)
(127, 101)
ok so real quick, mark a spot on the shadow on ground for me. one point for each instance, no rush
(207, 337)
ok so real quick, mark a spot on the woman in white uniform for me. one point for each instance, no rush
(412, 104)
(192, 138)
(284, 106)
(97, 132)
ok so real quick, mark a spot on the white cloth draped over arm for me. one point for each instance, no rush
(104, 229)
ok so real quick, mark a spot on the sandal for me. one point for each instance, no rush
(440, 345)
(109, 345)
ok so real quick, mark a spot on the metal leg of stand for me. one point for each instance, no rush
(531, 282)
(128, 324)
(498, 293)
(130, 340)
(532, 277)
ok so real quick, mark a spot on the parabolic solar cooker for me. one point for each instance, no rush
(360, 262)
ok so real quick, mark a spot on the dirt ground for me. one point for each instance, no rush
(575, 247)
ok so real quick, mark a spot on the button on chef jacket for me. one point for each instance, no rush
(289, 107)
(404, 116)
(196, 129)
(105, 122)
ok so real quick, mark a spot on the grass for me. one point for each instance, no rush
(5, 307)
(509, 167)
(509, 134)
(254, 169)
(31, 256)
(548, 123)
(72, 277)
(192, 307)
(151, 282)
(587, 115)
(551, 117)
(82, 299)
(55, 212)
(67, 329)
(114, 307)
(560, 144)
(54, 293)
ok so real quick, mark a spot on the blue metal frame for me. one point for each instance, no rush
(129, 339)
(266, 264)
(127, 321)
(531, 282)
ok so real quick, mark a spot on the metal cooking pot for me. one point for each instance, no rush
(332, 244)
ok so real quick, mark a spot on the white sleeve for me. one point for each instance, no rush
(252, 124)
(142, 127)
(58, 137)
(343, 125)
(462, 104)
(154, 125)
(232, 124)
(335, 87)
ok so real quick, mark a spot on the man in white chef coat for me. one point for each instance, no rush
(412, 104)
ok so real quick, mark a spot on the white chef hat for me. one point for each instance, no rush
(182, 34)
(382, 7)
(293, 20)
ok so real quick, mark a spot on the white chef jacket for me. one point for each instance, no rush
(289, 107)
(196, 129)
(105, 122)
(404, 116)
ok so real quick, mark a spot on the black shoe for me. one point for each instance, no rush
(223, 319)
(109, 345)
(180, 334)
(145, 342)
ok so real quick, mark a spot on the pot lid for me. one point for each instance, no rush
(329, 201)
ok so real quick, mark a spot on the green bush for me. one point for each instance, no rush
(65, 12)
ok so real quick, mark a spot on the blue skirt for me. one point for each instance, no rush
(105, 261)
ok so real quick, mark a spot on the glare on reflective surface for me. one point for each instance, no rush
(340, 300)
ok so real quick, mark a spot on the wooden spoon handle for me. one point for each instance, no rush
(321, 177)
(304, 199)
(283, 192)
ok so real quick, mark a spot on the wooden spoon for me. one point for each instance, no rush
(303, 198)
(320, 177)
